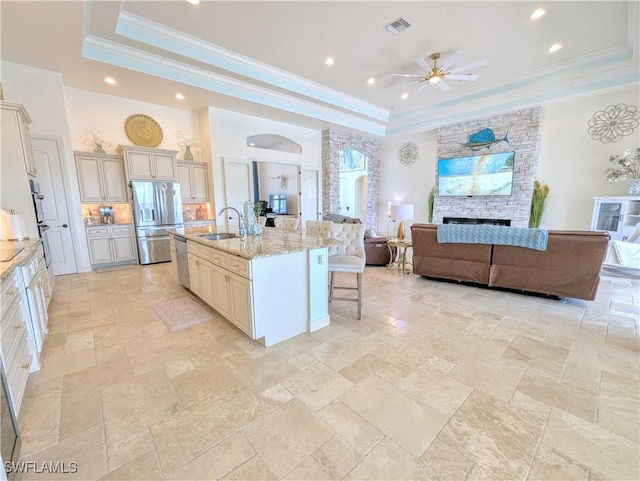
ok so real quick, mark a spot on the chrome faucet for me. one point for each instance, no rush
(241, 230)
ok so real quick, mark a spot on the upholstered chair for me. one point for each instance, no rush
(286, 223)
(348, 256)
(318, 228)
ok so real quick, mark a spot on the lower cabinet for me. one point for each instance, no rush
(242, 303)
(110, 244)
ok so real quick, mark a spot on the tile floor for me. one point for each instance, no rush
(437, 381)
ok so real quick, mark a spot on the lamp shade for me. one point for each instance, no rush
(402, 212)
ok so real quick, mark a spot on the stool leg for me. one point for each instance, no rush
(359, 280)
(331, 284)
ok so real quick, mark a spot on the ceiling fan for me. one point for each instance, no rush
(437, 75)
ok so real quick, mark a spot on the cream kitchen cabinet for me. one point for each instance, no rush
(111, 244)
(34, 276)
(101, 177)
(15, 346)
(193, 181)
(142, 163)
(15, 130)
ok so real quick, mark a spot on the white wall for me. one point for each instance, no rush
(570, 161)
(228, 132)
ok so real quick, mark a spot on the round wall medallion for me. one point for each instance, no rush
(613, 123)
(142, 130)
(408, 153)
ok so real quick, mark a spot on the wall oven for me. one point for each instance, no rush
(42, 227)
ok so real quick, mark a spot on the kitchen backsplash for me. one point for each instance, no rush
(121, 213)
(191, 212)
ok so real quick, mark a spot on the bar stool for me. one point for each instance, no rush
(348, 256)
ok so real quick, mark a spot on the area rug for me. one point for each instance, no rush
(181, 313)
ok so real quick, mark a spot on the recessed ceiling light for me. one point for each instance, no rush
(404, 96)
(180, 96)
(371, 80)
(537, 13)
(555, 47)
(110, 81)
(329, 61)
(194, 2)
(252, 144)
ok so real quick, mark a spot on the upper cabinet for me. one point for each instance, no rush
(193, 181)
(101, 177)
(15, 132)
(149, 164)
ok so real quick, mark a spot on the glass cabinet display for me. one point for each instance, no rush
(617, 215)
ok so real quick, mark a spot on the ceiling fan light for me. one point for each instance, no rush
(555, 47)
(404, 96)
(371, 80)
(539, 12)
(434, 80)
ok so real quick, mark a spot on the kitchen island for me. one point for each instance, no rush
(272, 286)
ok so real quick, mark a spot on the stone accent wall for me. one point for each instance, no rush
(525, 127)
(333, 141)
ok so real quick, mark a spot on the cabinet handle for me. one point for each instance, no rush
(17, 326)
(26, 365)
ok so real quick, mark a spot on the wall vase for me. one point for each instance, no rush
(634, 188)
(187, 153)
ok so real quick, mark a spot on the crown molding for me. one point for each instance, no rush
(157, 35)
(108, 51)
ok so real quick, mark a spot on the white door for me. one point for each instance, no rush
(310, 201)
(46, 152)
(238, 183)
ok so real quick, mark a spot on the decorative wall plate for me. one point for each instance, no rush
(408, 153)
(143, 130)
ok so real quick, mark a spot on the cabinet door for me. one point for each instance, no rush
(124, 248)
(100, 250)
(194, 274)
(113, 180)
(199, 191)
(241, 303)
(184, 177)
(89, 179)
(139, 165)
(206, 283)
(165, 167)
(29, 161)
(221, 293)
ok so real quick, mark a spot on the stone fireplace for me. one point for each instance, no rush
(524, 127)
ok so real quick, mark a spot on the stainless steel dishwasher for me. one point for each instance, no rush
(183, 261)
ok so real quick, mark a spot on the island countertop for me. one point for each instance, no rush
(29, 249)
(272, 242)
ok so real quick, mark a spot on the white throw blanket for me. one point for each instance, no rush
(624, 257)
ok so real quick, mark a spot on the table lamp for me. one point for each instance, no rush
(401, 212)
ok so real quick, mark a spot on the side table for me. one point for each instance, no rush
(400, 257)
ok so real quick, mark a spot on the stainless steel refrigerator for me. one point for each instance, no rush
(157, 208)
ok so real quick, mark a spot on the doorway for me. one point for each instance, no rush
(48, 160)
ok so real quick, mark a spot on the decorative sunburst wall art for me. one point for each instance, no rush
(613, 123)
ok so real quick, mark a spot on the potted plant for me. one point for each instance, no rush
(432, 198)
(538, 203)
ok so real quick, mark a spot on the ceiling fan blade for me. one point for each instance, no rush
(422, 87)
(443, 86)
(479, 63)
(462, 77)
(406, 75)
(423, 65)
(455, 58)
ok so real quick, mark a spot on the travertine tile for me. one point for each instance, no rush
(57, 365)
(437, 390)
(386, 461)
(137, 403)
(336, 457)
(413, 427)
(308, 469)
(199, 426)
(571, 398)
(537, 354)
(79, 414)
(500, 382)
(285, 437)
(94, 378)
(550, 465)
(199, 383)
(253, 470)
(275, 396)
(316, 385)
(592, 446)
(401, 355)
(140, 469)
(216, 462)
(353, 428)
(262, 373)
(343, 349)
(620, 395)
(361, 368)
(500, 438)
(128, 448)
(443, 462)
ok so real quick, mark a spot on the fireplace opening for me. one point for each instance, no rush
(472, 220)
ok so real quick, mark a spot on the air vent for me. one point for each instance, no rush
(397, 26)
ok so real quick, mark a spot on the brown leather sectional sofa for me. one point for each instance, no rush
(570, 267)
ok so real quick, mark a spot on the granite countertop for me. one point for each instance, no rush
(272, 242)
(102, 225)
(29, 249)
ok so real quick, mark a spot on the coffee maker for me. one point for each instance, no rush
(106, 214)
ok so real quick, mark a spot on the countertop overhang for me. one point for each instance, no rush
(272, 242)
(29, 249)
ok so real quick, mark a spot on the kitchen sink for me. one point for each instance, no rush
(218, 236)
